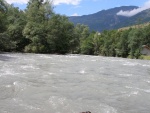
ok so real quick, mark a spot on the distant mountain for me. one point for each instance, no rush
(108, 19)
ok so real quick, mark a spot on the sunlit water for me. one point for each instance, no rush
(37, 83)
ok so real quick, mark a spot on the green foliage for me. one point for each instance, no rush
(3, 14)
(60, 33)
(80, 33)
(17, 22)
(125, 43)
(39, 30)
(38, 14)
(5, 43)
(48, 32)
(122, 44)
(135, 42)
(87, 46)
(144, 57)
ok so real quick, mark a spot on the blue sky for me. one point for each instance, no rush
(84, 7)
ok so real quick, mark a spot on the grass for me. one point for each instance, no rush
(144, 57)
(135, 26)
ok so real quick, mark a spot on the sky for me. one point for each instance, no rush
(85, 7)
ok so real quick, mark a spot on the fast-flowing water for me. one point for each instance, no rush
(37, 83)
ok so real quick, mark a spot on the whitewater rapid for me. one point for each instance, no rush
(38, 83)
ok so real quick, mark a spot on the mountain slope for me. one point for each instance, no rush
(108, 19)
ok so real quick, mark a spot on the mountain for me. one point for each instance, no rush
(108, 19)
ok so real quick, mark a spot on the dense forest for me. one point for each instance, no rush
(38, 29)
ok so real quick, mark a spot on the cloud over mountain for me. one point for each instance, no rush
(55, 2)
(134, 11)
(75, 14)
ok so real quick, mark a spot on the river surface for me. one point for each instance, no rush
(37, 83)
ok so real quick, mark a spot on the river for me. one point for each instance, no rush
(42, 83)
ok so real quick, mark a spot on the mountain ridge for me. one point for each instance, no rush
(108, 19)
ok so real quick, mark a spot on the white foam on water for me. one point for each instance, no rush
(58, 103)
(107, 109)
(47, 57)
(92, 78)
(27, 106)
(148, 81)
(63, 60)
(4, 111)
(6, 92)
(26, 67)
(146, 65)
(8, 86)
(128, 87)
(18, 87)
(135, 64)
(8, 72)
(93, 60)
(82, 72)
(117, 60)
(61, 70)
(20, 103)
(60, 93)
(72, 56)
(47, 75)
(130, 64)
(147, 91)
(51, 73)
(133, 93)
(63, 105)
(126, 75)
(53, 63)
(144, 90)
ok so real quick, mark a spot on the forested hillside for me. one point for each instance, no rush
(39, 30)
(108, 19)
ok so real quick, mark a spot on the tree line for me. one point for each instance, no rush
(38, 29)
(120, 43)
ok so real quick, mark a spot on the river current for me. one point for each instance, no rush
(38, 83)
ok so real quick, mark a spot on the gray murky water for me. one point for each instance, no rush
(37, 83)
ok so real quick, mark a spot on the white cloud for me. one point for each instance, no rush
(75, 14)
(17, 1)
(55, 2)
(135, 11)
(72, 2)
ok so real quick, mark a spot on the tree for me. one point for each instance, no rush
(81, 32)
(97, 41)
(123, 43)
(87, 46)
(16, 23)
(109, 45)
(48, 32)
(38, 14)
(60, 33)
(146, 39)
(135, 42)
(3, 14)
(5, 42)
